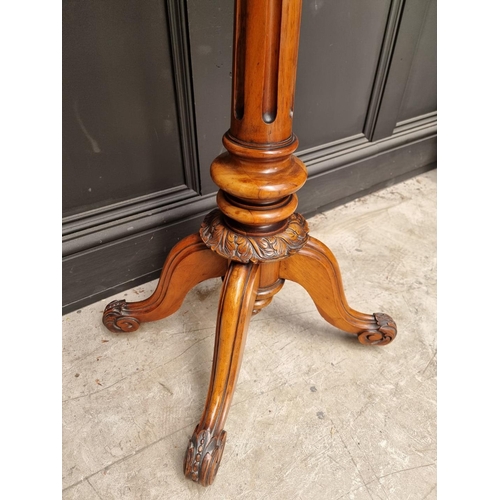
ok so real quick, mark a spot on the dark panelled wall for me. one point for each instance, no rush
(146, 93)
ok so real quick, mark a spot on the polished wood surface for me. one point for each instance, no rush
(255, 240)
(258, 175)
(190, 262)
(235, 310)
(316, 269)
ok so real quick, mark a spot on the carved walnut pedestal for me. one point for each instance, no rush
(255, 240)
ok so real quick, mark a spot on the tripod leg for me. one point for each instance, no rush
(235, 310)
(190, 262)
(316, 269)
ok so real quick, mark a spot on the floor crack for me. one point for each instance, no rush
(120, 460)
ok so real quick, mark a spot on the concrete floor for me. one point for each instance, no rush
(316, 415)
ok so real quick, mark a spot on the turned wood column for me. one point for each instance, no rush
(259, 175)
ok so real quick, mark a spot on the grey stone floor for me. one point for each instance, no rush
(316, 415)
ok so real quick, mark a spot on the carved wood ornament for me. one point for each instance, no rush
(253, 248)
(255, 240)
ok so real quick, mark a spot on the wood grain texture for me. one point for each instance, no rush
(270, 284)
(236, 303)
(259, 168)
(264, 68)
(316, 269)
(190, 262)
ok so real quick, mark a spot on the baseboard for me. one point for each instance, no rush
(104, 259)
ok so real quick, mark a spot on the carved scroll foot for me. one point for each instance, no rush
(203, 456)
(316, 269)
(237, 300)
(190, 262)
(385, 333)
(117, 318)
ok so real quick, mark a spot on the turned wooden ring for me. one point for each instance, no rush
(257, 215)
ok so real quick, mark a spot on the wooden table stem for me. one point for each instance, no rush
(255, 240)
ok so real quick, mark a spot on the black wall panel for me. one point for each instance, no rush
(338, 55)
(420, 97)
(120, 126)
(211, 40)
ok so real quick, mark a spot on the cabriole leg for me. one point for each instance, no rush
(237, 300)
(190, 262)
(316, 269)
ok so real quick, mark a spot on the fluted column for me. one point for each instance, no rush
(259, 175)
